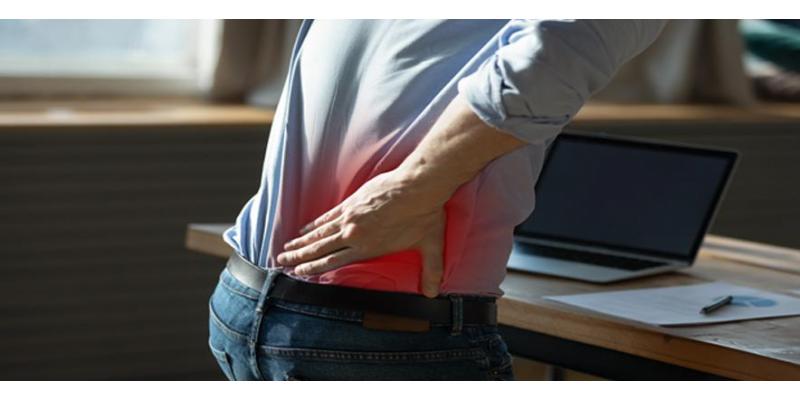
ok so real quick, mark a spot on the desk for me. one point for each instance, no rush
(618, 349)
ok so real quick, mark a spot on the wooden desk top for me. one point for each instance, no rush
(756, 349)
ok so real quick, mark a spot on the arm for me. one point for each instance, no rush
(532, 87)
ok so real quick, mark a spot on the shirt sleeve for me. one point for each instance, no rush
(544, 70)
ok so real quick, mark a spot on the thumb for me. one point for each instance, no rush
(432, 263)
(432, 270)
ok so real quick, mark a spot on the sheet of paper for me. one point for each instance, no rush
(680, 305)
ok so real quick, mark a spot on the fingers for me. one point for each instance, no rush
(432, 270)
(330, 215)
(322, 232)
(432, 252)
(315, 250)
(327, 263)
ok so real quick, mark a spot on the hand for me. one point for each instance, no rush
(387, 214)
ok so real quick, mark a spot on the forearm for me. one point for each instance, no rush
(456, 149)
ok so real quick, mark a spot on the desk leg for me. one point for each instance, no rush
(553, 373)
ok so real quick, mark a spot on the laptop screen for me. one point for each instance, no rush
(647, 198)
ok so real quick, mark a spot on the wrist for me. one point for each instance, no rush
(427, 181)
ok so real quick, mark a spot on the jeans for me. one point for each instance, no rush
(255, 338)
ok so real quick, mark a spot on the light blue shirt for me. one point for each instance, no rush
(360, 95)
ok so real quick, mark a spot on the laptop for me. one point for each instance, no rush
(612, 208)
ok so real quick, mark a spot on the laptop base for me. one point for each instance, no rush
(522, 261)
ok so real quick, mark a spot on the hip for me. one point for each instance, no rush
(280, 340)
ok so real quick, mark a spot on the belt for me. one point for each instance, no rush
(381, 309)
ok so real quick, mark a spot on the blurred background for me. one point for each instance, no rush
(116, 134)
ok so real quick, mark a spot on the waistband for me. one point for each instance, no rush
(404, 311)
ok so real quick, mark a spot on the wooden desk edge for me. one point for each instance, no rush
(561, 321)
(206, 239)
(129, 113)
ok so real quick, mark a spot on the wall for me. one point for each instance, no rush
(96, 283)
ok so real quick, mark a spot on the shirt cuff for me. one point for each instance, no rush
(487, 93)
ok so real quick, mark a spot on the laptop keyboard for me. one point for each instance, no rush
(618, 262)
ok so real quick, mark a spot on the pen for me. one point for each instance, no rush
(716, 305)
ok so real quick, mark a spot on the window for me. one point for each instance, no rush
(106, 57)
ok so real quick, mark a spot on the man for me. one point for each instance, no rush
(401, 157)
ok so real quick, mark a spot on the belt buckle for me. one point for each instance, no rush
(387, 322)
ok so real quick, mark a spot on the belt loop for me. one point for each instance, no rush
(261, 306)
(457, 309)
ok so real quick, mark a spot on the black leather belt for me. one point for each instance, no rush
(376, 304)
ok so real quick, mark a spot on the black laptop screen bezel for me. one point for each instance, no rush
(729, 156)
